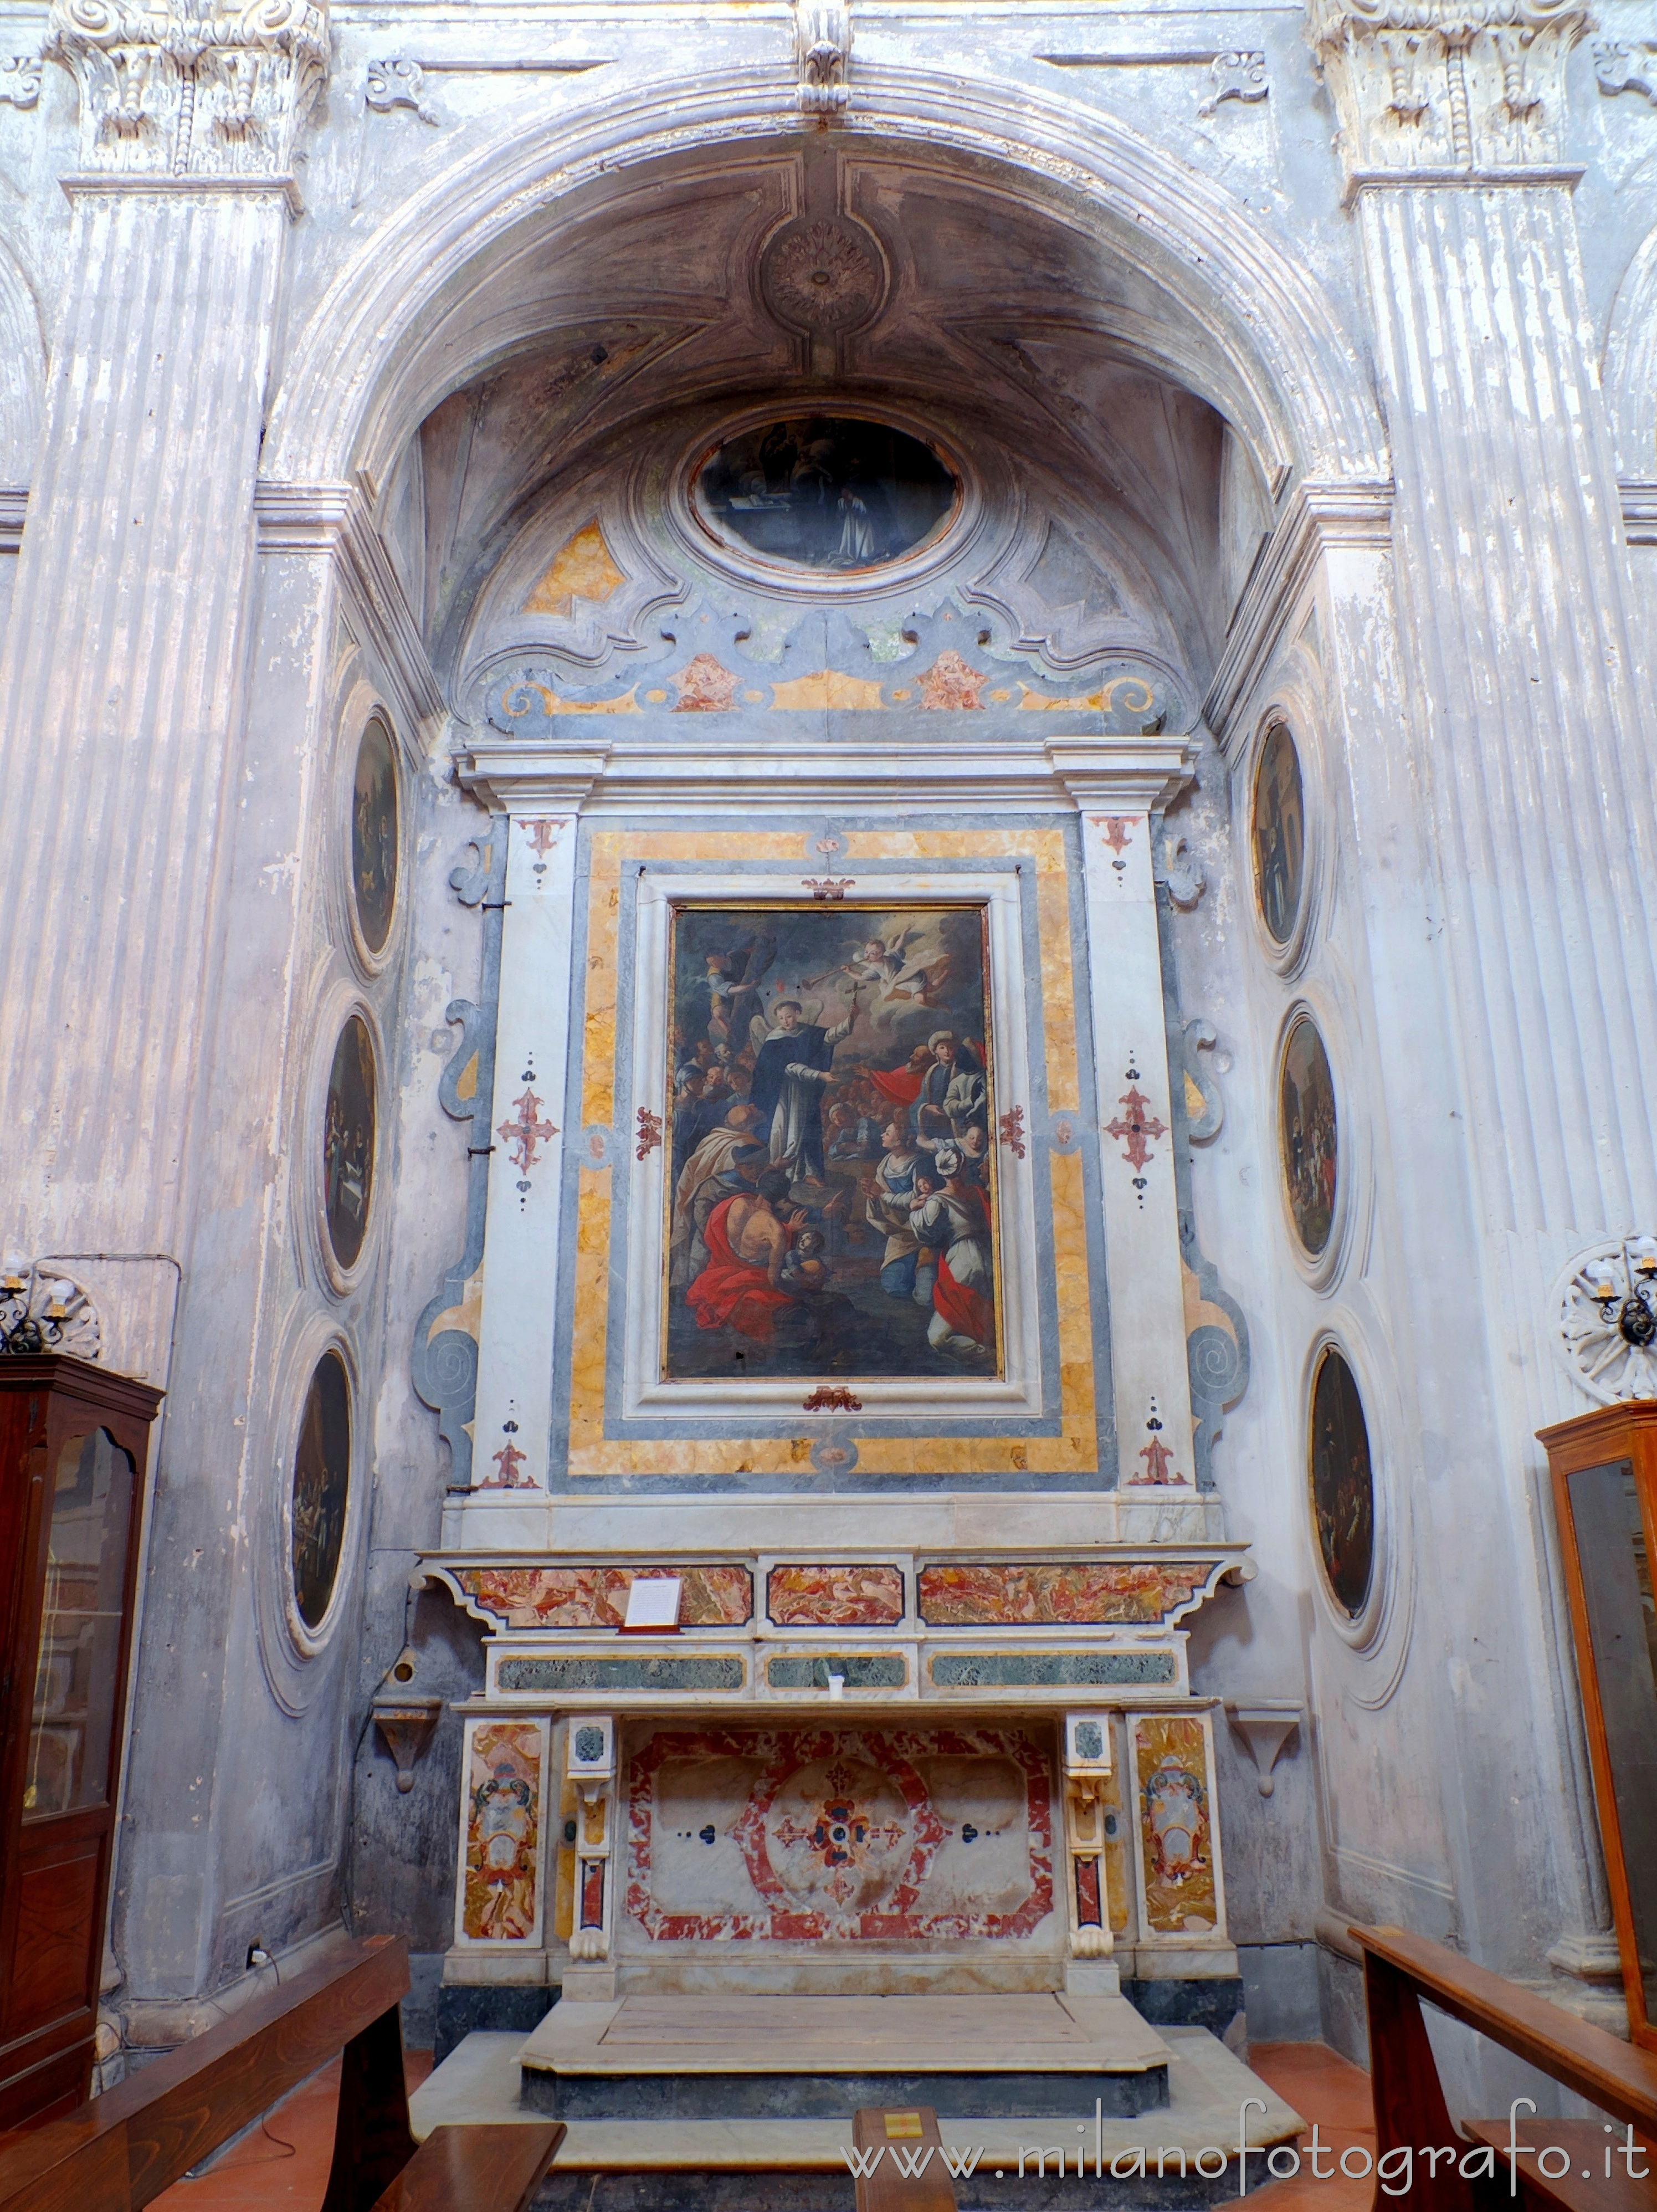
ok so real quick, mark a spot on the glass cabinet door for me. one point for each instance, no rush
(78, 1664)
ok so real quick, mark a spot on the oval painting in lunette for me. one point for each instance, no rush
(1277, 834)
(374, 835)
(1342, 1484)
(321, 1490)
(347, 1142)
(1307, 1135)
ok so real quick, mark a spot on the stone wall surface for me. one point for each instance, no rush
(1301, 369)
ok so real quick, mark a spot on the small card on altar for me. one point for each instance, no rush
(652, 1604)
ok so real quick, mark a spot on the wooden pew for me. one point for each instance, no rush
(120, 2151)
(1400, 1970)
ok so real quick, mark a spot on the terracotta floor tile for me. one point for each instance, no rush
(284, 2163)
(1324, 2088)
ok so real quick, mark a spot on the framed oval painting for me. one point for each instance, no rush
(826, 492)
(1342, 1484)
(321, 1492)
(1307, 1135)
(1277, 833)
(374, 835)
(347, 1142)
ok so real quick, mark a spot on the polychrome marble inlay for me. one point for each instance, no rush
(995, 1595)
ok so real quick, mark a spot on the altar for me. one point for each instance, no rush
(832, 1259)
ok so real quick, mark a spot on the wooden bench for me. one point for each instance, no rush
(1399, 1971)
(120, 2151)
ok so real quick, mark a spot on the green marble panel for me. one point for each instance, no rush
(622, 1674)
(880, 1670)
(1050, 1670)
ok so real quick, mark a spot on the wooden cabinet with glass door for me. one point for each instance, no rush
(1604, 1490)
(74, 1443)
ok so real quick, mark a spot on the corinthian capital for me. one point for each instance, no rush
(188, 90)
(1447, 84)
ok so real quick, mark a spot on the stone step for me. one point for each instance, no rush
(760, 2165)
(725, 2056)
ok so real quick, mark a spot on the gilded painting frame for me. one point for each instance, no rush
(1010, 1385)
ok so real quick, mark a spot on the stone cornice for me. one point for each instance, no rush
(1138, 775)
(1319, 517)
(1451, 92)
(186, 90)
(333, 520)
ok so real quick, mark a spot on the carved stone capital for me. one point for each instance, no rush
(187, 89)
(1445, 85)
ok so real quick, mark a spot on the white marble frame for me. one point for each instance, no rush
(1018, 1392)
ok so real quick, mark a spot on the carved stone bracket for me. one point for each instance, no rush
(1445, 86)
(823, 57)
(1265, 1724)
(20, 79)
(190, 92)
(408, 1725)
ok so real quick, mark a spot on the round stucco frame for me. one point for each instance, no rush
(1318, 1269)
(289, 1650)
(947, 543)
(339, 1000)
(1290, 958)
(365, 703)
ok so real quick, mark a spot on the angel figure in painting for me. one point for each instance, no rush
(904, 972)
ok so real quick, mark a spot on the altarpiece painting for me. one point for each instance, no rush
(831, 1187)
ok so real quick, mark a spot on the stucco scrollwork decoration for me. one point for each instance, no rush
(1236, 76)
(1424, 85)
(20, 79)
(823, 56)
(1606, 1304)
(43, 1311)
(398, 83)
(1617, 67)
(188, 90)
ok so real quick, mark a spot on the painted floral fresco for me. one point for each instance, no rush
(1170, 1766)
(596, 1597)
(831, 1207)
(994, 1594)
(835, 1597)
(839, 1836)
(503, 1799)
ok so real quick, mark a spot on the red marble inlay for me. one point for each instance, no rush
(592, 1892)
(1088, 1911)
(1088, 1594)
(596, 1597)
(838, 1834)
(835, 1597)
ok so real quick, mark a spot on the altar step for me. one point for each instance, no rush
(749, 2163)
(681, 2057)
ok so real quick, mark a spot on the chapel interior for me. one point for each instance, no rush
(828, 1229)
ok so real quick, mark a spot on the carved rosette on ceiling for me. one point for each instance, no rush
(1445, 84)
(823, 276)
(191, 90)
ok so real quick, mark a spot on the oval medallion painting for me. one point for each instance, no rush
(348, 1144)
(1342, 1484)
(826, 492)
(1306, 1132)
(322, 1475)
(1278, 831)
(374, 835)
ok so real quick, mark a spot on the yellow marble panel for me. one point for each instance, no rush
(592, 1454)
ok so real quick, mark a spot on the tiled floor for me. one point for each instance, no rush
(285, 2164)
(1332, 2092)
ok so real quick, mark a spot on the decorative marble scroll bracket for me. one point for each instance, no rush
(396, 82)
(1265, 1725)
(1615, 70)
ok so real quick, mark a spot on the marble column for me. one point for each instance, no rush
(1531, 771)
(121, 681)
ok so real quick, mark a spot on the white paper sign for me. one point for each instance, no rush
(653, 1602)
